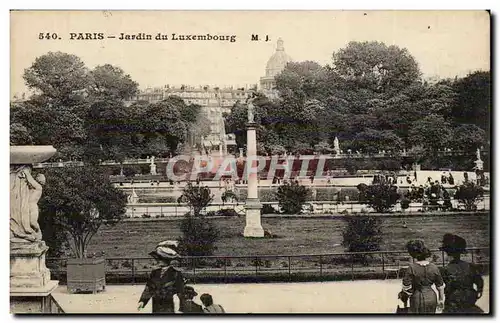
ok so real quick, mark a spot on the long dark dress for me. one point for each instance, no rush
(418, 282)
(162, 285)
(460, 295)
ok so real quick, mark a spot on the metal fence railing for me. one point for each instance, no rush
(157, 210)
(317, 267)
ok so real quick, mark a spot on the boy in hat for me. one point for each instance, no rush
(165, 281)
(210, 307)
(460, 278)
(190, 306)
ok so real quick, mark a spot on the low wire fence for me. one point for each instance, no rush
(158, 210)
(262, 268)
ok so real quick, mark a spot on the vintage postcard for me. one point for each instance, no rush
(211, 162)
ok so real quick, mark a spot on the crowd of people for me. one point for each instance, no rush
(459, 284)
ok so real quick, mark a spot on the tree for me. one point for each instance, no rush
(78, 201)
(323, 147)
(469, 194)
(432, 133)
(468, 137)
(19, 135)
(162, 126)
(302, 116)
(473, 101)
(302, 148)
(301, 81)
(376, 67)
(291, 197)
(236, 121)
(49, 124)
(362, 233)
(58, 77)
(111, 83)
(197, 197)
(382, 197)
(372, 141)
(198, 233)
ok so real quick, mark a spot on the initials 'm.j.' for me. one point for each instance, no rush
(86, 36)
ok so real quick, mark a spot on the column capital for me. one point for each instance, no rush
(251, 125)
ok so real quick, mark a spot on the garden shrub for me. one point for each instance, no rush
(469, 194)
(291, 197)
(382, 197)
(267, 209)
(362, 234)
(199, 236)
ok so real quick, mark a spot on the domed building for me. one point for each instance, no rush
(275, 65)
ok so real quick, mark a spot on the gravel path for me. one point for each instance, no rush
(369, 296)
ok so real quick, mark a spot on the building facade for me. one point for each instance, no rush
(216, 100)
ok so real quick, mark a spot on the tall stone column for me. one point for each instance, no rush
(253, 206)
(30, 284)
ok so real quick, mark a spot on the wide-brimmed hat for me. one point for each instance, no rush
(165, 250)
(189, 291)
(453, 244)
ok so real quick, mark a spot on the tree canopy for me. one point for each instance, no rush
(373, 98)
(84, 113)
(77, 201)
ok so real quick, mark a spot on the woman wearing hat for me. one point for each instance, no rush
(460, 278)
(419, 279)
(164, 282)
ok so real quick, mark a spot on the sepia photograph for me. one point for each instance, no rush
(250, 162)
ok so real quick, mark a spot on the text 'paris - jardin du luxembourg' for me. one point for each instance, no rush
(144, 36)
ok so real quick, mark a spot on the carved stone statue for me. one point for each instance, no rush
(336, 145)
(25, 194)
(251, 109)
(479, 163)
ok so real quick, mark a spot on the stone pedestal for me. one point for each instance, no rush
(30, 284)
(34, 300)
(253, 227)
(27, 266)
(479, 165)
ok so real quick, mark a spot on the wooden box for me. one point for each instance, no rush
(86, 275)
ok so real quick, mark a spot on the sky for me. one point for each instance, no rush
(444, 43)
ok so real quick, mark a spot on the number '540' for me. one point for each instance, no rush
(48, 36)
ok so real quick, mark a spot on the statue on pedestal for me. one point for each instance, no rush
(336, 145)
(25, 194)
(152, 166)
(479, 163)
(251, 108)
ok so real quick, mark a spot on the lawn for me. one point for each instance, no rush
(295, 235)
